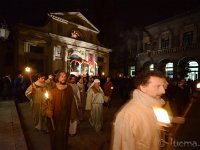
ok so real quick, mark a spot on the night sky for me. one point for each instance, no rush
(110, 16)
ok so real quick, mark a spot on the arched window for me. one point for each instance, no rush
(193, 67)
(151, 67)
(169, 70)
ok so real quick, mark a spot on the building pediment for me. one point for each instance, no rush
(74, 18)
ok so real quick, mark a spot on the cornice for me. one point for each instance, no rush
(79, 43)
(59, 19)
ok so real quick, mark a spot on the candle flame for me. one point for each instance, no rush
(46, 94)
(161, 115)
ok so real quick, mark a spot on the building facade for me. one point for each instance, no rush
(68, 41)
(173, 46)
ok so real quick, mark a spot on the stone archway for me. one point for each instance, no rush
(188, 68)
(162, 63)
(146, 65)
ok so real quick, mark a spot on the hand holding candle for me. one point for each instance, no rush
(46, 95)
(162, 115)
(49, 111)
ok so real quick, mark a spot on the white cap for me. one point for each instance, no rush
(96, 81)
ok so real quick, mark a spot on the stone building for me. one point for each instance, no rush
(68, 41)
(172, 45)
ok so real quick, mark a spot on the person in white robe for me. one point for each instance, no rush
(94, 104)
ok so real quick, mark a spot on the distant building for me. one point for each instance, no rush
(67, 42)
(172, 45)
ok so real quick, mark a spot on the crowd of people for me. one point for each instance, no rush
(59, 102)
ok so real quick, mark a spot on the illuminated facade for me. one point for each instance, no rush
(67, 42)
(172, 45)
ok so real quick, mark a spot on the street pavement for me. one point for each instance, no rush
(17, 131)
(11, 133)
(188, 135)
(86, 137)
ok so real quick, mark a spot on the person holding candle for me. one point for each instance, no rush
(61, 99)
(35, 93)
(136, 126)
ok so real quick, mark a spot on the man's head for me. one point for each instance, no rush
(51, 77)
(72, 79)
(108, 79)
(152, 83)
(41, 77)
(62, 77)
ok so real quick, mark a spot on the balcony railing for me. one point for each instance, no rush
(170, 50)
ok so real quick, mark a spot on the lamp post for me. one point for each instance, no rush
(28, 70)
(4, 32)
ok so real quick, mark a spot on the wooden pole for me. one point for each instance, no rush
(51, 118)
(52, 123)
(30, 78)
(185, 112)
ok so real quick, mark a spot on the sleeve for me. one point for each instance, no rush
(28, 93)
(89, 100)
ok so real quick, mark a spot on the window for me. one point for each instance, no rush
(187, 38)
(151, 67)
(146, 43)
(36, 49)
(147, 46)
(100, 59)
(193, 73)
(57, 53)
(165, 40)
(169, 70)
(132, 71)
(164, 43)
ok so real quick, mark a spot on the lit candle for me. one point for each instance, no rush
(161, 115)
(46, 94)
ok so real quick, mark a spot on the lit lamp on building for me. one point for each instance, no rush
(198, 86)
(103, 73)
(4, 32)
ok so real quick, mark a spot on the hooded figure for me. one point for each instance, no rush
(94, 103)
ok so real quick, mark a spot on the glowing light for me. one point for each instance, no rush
(161, 115)
(103, 73)
(28, 69)
(198, 85)
(46, 94)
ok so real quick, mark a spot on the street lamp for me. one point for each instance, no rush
(28, 70)
(4, 32)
